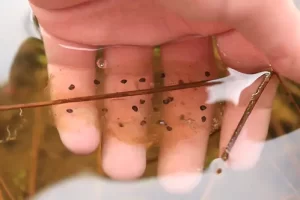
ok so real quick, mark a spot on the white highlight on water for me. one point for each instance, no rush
(79, 48)
(231, 87)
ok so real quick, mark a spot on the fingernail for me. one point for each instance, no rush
(180, 183)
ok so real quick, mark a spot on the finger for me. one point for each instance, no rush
(237, 52)
(72, 74)
(249, 145)
(282, 19)
(188, 118)
(248, 59)
(124, 153)
(274, 28)
(56, 4)
(271, 26)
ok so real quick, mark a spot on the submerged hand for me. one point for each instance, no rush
(250, 36)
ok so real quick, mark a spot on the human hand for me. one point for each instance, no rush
(262, 32)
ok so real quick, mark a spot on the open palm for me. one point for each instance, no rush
(249, 38)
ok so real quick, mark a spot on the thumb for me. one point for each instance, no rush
(57, 4)
(272, 26)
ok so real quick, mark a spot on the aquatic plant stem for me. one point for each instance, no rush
(110, 95)
(36, 137)
(1, 195)
(5, 188)
(255, 97)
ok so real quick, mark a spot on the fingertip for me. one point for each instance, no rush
(180, 183)
(248, 147)
(246, 155)
(122, 161)
(81, 141)
(111, 168)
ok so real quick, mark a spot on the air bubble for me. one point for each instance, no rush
(101, 63)
(161, 122)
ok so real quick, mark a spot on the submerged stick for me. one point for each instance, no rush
(36, 137)
(110, 95)
(5, 188)
(1, 195)
(246, 114)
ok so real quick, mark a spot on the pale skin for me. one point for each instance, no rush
(250, 37)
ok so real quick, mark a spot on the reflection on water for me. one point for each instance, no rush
(33, 156)
(274, 177)
(270, 179)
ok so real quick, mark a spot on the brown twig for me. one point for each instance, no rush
(246, 114)
(5, 188)
(1, 195)
(36, 136)
(110, 95)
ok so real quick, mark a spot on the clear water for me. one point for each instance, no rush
(34, 160)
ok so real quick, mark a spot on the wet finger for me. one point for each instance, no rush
(273, 27)
(249, 145)
(71, 74)
(124, 152)
(186, 115)
(56, 4)
(237, 52)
